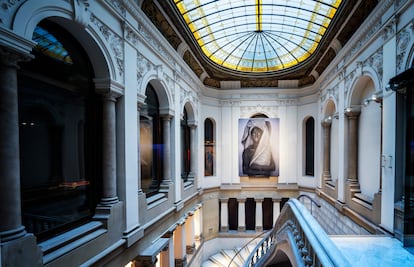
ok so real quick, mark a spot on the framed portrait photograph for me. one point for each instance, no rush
(259, 147)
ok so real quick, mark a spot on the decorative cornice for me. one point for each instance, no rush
(148, 33)
(11, 57)
(118, 6)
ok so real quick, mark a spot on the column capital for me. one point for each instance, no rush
(166, 117)
(241, 200)
(11, 57)
(110, 96)
(224, 200)
(352, 112)
(326, 122)
(107, 86)
(192, 124)
(258, 200)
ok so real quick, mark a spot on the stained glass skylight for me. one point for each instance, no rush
(257, 35)
(50, 46)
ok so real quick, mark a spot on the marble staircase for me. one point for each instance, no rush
(229, 257)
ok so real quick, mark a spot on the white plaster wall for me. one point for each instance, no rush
(369, 149)
(305, 111)
(288, 144)
(213, 112)
(127, 145)
(334, 149)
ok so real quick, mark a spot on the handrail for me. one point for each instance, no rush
(312, 200)
(311, 245)
(245, 245)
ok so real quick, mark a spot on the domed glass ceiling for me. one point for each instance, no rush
(257, 35)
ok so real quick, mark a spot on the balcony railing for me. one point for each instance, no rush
(298, 238)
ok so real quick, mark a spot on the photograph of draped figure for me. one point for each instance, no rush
(258, 150)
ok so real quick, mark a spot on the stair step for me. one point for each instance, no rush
(219, 259)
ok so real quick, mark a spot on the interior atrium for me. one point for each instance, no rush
(203, 133)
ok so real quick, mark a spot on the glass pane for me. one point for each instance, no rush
(258, 35)
(50, 46)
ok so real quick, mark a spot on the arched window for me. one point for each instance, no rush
(209, 148)
(309, 146)
(151, 143)
(185, 146)
(60, 134)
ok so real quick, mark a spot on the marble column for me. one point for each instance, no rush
(276, 209)
(326, 124)
(166, 257)
(139, 107)
(224, 215)
(193, 149)
(189, 232)
(17, 247)
(242, 215)
(167, 149)
(10, 208)
(179, 245)
(109, 192)
(198, 223)
(353, 115)
(259, 214)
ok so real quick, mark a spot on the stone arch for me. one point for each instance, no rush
(363, 99)
(329, 107)
(61, 12)
(361, 87)
(191, 113)
(164, 97)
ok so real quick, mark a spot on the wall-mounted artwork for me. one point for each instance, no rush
(259, 147)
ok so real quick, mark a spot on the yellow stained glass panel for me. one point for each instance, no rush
(257, 35)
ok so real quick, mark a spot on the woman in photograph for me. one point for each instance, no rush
(257, 155)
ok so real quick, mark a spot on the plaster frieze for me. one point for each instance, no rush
(143, 66)
(348, 79)
(390, 28)
(133, 37)
(260, 96)
(148, 33)
(188, 96)
(330, 93)
(403, 41)
(366, 33)
(229, 102)
(376, 62)
(7, 8)
(247, 111)
(117, 6)
(81, 11)
(363, 40)
(399, 3)
(114, 42)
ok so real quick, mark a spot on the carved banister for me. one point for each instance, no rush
(311, 245)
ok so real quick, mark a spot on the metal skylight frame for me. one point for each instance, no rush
(50, 46)
(257, 35)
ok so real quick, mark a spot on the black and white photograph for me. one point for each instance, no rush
(258, 147)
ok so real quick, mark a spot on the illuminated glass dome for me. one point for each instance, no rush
(257, 35)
